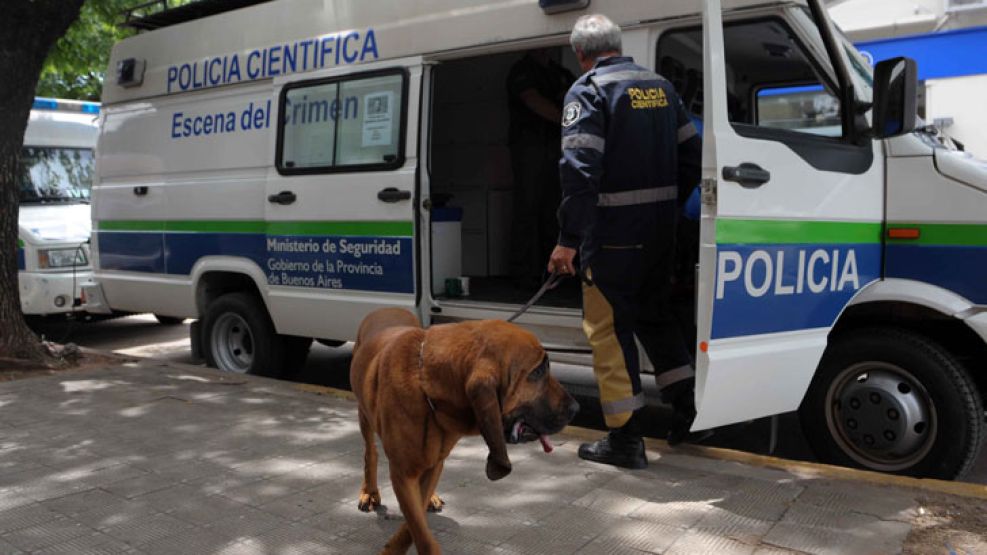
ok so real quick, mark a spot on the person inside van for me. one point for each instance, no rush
(536, 85)
(627, 143)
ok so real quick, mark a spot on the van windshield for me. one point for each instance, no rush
(55, 174)
(861, 71)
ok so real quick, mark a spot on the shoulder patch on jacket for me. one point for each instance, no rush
(571, 113)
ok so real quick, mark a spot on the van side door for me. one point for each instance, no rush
(792, 207)
(340, 209)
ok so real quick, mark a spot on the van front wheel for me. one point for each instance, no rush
(893, 401)
(240, 337)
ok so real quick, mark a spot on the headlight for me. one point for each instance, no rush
(61, 258)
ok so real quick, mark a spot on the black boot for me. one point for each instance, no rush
(620, 447)
(681, 422)
(685, 415)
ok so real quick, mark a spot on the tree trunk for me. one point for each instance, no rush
(28, 30)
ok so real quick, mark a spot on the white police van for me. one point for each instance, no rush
(56, 171)
(289, 175)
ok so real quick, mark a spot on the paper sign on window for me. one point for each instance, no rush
(378, 115)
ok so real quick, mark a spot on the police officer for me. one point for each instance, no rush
(627, 144)
(536, 86)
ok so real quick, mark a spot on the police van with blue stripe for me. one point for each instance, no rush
(55, 176)
(309, 164)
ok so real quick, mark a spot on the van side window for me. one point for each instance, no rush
(808, 108)
(771, 82)
(344, 124)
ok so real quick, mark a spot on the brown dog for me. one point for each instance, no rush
(421, 390)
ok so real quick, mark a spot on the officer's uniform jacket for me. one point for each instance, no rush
(627, 145)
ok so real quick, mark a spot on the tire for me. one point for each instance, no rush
(893, 401)
(296, 351)
(168, 320)
(238, 336)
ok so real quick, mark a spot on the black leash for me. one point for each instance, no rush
(550, 283)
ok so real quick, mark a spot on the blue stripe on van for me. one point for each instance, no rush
(20, 258)
(131, 252)
(756, 302)
(961, 269)
(338, 262)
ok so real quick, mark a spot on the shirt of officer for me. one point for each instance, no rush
(536, 86)
(536, 91)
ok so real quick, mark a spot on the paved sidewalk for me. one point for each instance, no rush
(153, 458)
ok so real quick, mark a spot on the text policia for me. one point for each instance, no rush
(347, 47)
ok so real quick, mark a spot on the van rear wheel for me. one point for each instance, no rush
(893, 401)
(240, 337)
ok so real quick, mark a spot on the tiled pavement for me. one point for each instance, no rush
(153, 458)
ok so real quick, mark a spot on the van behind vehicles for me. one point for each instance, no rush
(57, 167)
(302, 171)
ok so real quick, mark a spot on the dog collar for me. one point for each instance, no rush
(421, 374)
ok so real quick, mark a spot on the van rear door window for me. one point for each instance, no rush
(310, 115)
(343, 124)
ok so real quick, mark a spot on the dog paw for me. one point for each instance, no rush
(497, 469)
(368, 502)
(435, 504)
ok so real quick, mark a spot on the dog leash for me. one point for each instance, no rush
(550, 283)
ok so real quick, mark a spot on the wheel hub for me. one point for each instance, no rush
(232, 343)
(882, 415)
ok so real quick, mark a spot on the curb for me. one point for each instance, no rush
(804, 469)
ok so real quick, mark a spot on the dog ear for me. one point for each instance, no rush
(481, 388)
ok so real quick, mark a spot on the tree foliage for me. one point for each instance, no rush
(76, 66)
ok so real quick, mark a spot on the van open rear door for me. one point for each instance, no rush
(791, 214)
(340, 203)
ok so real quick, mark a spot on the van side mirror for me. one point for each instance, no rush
(895, 97)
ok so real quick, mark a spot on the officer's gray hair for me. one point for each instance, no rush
(595, 34)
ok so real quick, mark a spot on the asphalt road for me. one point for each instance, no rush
(143, 336)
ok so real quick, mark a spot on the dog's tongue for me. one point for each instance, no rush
(546, 444)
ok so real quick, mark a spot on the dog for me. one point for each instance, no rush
(422, 390)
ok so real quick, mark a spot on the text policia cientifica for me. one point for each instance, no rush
(346, 47)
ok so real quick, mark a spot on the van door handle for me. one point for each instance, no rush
(750, 176)
(393, 194)
(140, 190)
(284, 197)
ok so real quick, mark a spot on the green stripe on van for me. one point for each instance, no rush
(217, 226)
(960, 235)
(375, 229)
(791, 232)
(20, 243)
(130, 225)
